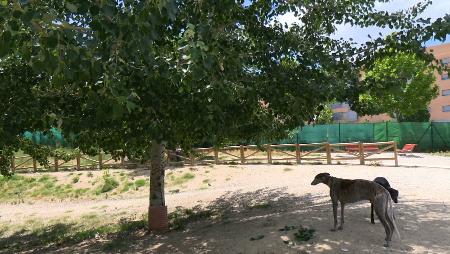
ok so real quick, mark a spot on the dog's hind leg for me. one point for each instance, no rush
(391, 218)
(372, 219)
(341, 227)
(380, 210)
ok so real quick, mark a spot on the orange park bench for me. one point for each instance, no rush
(407, 148)
(367, 148)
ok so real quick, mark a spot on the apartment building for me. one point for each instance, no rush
(439, 107)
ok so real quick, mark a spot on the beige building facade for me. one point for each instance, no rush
(439, 108)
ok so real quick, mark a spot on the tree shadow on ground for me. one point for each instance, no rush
(424, 226)
(60, 236)
(227, 224)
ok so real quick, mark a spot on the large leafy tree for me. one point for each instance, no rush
(132, 76)
(422, 115)
(400, 84)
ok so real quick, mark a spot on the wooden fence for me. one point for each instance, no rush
(296, 153)
(272, 154)
(80, 161)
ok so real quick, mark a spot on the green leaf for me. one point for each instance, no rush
(71, 7)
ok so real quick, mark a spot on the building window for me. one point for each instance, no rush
(338, 116)
(444, 76)
(445, 60)
(446, 108)
(351, 116)
(336, 105)
(446, 92)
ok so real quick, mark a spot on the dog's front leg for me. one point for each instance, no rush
(335, 206)
(372, 219)
(342, 217)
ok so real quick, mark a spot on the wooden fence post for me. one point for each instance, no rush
(269, 154)
(191, 156)
(78, 161)
(216, 156)
(56, 164)
(242, 154)
(297, 153)
(100, 161)
(34, 166)
(395, 153)
(328, 150)
(361, 153)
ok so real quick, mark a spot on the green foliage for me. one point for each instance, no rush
(109, 183)
(260, 205)
(400, 84)
(422, 115)
(139, 183)
(188, 176)
(18, 188)
(67, 231)
(75, 179)
(181, 217)
(304, 234)
(181, 179)
(325, 116)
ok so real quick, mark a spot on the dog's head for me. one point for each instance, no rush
(394, 194)
(321, 178)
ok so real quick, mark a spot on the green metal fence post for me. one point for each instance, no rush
(339, 133)
(387, 132)
(373, 132)
(432, 139)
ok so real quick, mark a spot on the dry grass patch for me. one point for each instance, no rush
(34, 234)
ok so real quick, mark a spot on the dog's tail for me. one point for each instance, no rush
(390, 214)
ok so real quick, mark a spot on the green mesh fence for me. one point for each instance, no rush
(428, 136)
(433, 136)
(52, 138)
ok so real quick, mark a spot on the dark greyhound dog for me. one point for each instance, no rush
(393, 192)
(347, 191)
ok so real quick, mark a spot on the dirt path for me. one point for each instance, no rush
(423, 212)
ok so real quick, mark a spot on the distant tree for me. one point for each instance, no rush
(422, 115)
(400, 84)
(325, 116)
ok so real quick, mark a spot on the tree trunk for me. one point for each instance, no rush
(157, 210)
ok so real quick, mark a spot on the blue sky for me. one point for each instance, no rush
(437, 9)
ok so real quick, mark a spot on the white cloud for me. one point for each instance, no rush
(437, 9)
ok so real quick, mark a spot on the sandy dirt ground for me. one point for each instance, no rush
(422, 214)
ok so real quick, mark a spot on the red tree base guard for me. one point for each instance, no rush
(158, 219)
